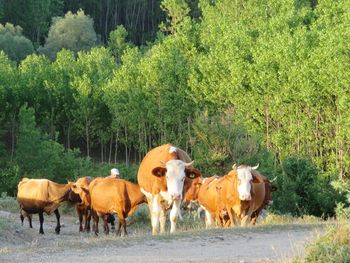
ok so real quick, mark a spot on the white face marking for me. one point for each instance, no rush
(175, 177)
(244, 177)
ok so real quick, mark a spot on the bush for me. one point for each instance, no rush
(303, 191)
(333, 247)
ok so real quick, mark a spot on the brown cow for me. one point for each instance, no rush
(161, 177)
(41, 195)
(269, 188)
(81, 187)
(110, 195)
(231, 195)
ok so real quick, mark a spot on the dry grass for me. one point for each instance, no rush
(332, 247)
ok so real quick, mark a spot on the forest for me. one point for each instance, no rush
(89, 85)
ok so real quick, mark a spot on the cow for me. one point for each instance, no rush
(269, 188)
(114, 196)
(231, 197)
(161, 177)
(191, 189)
(42, 195)
(81, 187)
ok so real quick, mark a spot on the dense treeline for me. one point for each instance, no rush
(249, 81)
(141, 18)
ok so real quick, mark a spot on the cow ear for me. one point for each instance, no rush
(255, 180)
(159, 171)
(192, 173)
(274, 188)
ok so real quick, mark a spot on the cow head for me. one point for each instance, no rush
(175, 172)
(244, 181)
(81, 191)
(191, 189)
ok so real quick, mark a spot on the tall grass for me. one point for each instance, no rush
(332, 247)
(8, 203)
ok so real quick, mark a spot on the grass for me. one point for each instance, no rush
(334, 246)
(8, 203)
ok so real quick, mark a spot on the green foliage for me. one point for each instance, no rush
(32, 15)
(117, 42)
(219, 143)
(176, 10)
(342, 209)
(73, 31)
(302, 190)
(333, 247)
(13, 43)
(34, 150)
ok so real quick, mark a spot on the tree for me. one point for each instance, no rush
(13, 43)
(117, 42)
(74, 32)
(33, 16)
(176, 10)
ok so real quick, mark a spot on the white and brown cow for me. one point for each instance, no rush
(161, 177)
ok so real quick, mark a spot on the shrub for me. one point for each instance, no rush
(333, 247)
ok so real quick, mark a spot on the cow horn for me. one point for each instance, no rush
(274, 179)
(255, 167)
(234, 166)
(189, 164)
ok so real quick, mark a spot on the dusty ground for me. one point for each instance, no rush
(269, 243)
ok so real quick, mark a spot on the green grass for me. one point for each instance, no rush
(8, 203)
(334, 246)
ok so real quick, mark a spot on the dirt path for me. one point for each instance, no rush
(268, 243)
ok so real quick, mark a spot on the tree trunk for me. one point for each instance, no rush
(87, 135)
(110, 149)
(116, 147)
(13, 135)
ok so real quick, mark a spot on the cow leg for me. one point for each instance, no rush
(231, 216)
(41, 219)
(96, 219)
(22, 218)
(58, 226)
(123, 222)
(80, 216)
(30, 220)
(105, 224)
(87, 220)
(155, 213)
(208, 219)
(162, 220)
(174, 213)
(118, 233)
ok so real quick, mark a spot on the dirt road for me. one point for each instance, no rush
(269, 243)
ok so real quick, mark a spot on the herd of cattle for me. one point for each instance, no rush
(166, 179)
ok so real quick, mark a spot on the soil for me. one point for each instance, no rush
(267, 243)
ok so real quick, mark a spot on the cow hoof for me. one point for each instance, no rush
(41, 232)
(57, 230)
